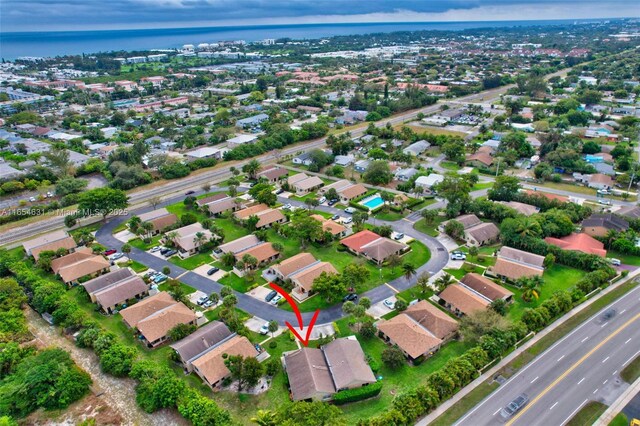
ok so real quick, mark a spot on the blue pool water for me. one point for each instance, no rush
(593, 159)
(373, 202)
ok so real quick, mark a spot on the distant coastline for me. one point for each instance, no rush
(56, 43)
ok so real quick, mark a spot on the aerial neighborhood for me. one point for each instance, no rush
(422, 206)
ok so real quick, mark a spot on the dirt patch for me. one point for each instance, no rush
(113, 400)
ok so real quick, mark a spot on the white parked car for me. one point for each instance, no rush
(155, 249)
(265, 328)
(605, 202)
(275, 300)
(458, 256)
(615, 262)
(286, 207)
(350, 210)
(347, 220)
(389, 303)
(322, 200)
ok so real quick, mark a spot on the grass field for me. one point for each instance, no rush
(431, 130)
(192, 262)
(138, 243)
(239, 283)
(632, 371)
(429, 229)
(588, 414)
(619, 420)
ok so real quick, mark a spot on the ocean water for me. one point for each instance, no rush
(55, 43)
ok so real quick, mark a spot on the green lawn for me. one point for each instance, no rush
(429, 229)
(395, 381)
(390, 216)
(626, 259)
(619, 420)
(558, 277)
(632, 371)
(232, 231)
(192, 262)
(588, 414)
(482, 185)
(449, 165)
(413, 293)
(466, 268)
(423, 204)
(136, 266)
(186, 288)
(240, 284)
(485, 255)
(139, 244)
(180, 209)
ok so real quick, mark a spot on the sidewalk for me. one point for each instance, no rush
(619, 404)
(495, 369)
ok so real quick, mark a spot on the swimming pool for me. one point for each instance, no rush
(372, 202)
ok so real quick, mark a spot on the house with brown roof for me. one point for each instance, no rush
(462, 301)
(629, 212)
(598, 225)
(372, 246)
(199, 342)
(240, 244)
(267, 218)
(189, 239)
(548, 196)
(52, 241)
(263, 252)
(113, 289)
(513, 264)
(228, 204)
(522, 208)
(486, 288)
(579, 242)
(419, 331)
(303, 278)
(305, 186)
(200, 202)
(476, 232)
(600, 181)
(351, 192)
(160, 219)
(315, 374)
(273, 174)
(289, 266)
(155, 316)
(210, 364)
(479, 159)
(331, 226)
(79, 264)
(250, 211)
(337, 185)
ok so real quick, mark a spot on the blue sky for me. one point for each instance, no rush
(41, 15)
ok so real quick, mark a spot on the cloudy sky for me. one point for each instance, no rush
(44, 15)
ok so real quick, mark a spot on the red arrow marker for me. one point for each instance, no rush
(294, 306)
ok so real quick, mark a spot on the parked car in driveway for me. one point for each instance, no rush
(116, 256)
(212, 271)
(155, 249)
(398, 236)
(265, 328)
(350, 297)
(275, 300)
(332, 201)
(160, 278)
(270, 296)
(335, 217)
(109, 252)
(347, 220)
(322, 200)
(458, 256)
(208, 304)
(170, 253)
(202, 300)
(389, 303)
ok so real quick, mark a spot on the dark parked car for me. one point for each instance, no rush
(164, 251)
(189, 192)
(332, 202)
(170, 253)
(279, 191)
(110, 252)
(514, 406)
(212, 271)
(350, 297)
(270, 296)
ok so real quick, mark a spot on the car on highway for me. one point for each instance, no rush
(265, 328)
(155, 249)
(514, 406)
(350, 210)
(189, 192)
(275, 300)
(604, 202)
(608, 314)
(270, 296)
(389, 303)
(351, 297)
(109, 252)
(212, 271)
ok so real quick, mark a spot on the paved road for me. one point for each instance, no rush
(583, 366)
(137, 198)
(438, 260)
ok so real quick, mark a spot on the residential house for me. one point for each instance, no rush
(210, 365)
(579, 242)
(598, 225)
(200, 342)
(351, 192)
(405, 175)
(315, 374)
(487, 288)
(373, 247)
(264, 253)
(160, 219)
(224, 205)
(525, 209)
(600, 181)
(475, 292)
(417, 148)
(630, 212)
(113, 289)
(204, 152)
(155, 316)
(337, 185)
(273, 174)
(480, 159)
(188, 239)
(303, 159)
(428, 182)
(79, 264)
(419, 331)
(267, 218)
(252, 122)
(304, 186)
(200, 202)
(52, 241)
(343, 160)
(240, 244)
(330, 226)
(302, 269)
(361, 166)
(513, 264)
(241, 140)
(476, 232)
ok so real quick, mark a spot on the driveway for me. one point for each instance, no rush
(203, 269)
(377, 310)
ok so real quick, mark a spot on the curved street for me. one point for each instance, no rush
(437, 261)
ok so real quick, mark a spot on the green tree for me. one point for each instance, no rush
(264, 418)
(246, 371)
(329, 286)
(118, 359)
(393, 357)
(309, 414)
(180, 331)
(378, 173)
(102, 201)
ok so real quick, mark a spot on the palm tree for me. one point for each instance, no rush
(409, 270)
(394, 261)
(423, 281)
(251, 168)
(264, 418)
(531, 287)
(444, 281)
(148, 228)
(228, 259)
(528, 227)
(199, 239)
(172, 236)
(611, 236)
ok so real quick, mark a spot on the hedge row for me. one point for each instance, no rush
(357, 394)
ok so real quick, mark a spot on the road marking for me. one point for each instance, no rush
(603, 325)
(535, 379)
(605, 360)
(392, 288)
(623, 311)
(581, 380)
(631, 359)
(585, 339)
(573, 367)
(573, 413)
(614, 373)
(595, 390)
(182, 275)
(497, 411)
(605, 382)
(628, 340)
(560, 359)
(553, 405)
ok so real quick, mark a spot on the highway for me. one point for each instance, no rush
(222, 172)
(584, 366)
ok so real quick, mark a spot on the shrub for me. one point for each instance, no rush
(357, 394)
(166, 270)
(273, 344)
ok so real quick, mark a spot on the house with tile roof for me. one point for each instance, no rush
(419, 331)
(273, 174)
(513, 264)
(263, 252)
(154, 316)
(240, 244)
(315, 374)
(52, 241)
(348, 193)
(579, 242)
(462, 301)
(160, 219)
(334, 228)
(187, 239)
(114, 289)
(598, 225)
(476, 232)
(372, 246)
(199, 342)
(210, 365)
(79, 264)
